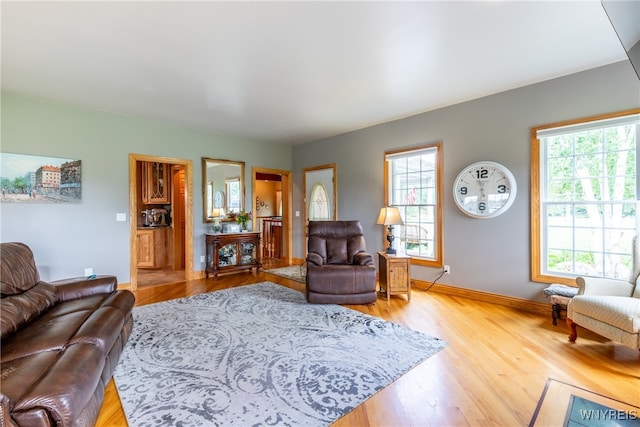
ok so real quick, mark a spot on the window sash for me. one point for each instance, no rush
(413, 181)
(571, 208)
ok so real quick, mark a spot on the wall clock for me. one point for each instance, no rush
(484, 189)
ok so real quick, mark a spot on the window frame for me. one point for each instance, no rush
(438, 260)
(538, 273)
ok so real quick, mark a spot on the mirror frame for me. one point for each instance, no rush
(208, 184)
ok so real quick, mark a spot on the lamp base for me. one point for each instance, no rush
(390, 251)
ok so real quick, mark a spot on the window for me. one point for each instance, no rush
(583, 197)
(233, 194)
(319, 206)
(413, 183)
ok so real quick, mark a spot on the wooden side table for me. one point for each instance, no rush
(394, 275)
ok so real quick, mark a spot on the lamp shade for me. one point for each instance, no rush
(390, 216)
(217, 212)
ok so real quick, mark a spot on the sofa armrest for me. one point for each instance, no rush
(602, 286)
(362, 258)
(314, 258)
(5, 412)
(78, 287)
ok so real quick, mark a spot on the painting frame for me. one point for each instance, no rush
(27, 178)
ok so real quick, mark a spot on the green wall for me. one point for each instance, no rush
(67, 238)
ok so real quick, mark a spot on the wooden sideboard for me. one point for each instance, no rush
(230, 252)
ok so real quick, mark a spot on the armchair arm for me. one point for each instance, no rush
(314, 258)
(362, 258)
(602, 286)
(69, 289)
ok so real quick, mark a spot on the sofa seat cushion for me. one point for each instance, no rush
(61, 382)
(21, 308)
(341, 279)
(620, 312)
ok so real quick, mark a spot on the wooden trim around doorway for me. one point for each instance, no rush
(133, 212)
(287, 203)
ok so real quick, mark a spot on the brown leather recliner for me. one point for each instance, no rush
(339, 270)
(61, 342)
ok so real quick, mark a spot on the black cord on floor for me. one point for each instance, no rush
(432, 283)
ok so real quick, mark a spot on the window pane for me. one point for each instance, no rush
(413, 188)
(588, 207)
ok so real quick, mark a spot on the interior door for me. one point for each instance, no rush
(320, 195)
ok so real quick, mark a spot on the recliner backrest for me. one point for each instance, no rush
(337, 242)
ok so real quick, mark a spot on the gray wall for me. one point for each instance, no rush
(68, 238)
(490, 255)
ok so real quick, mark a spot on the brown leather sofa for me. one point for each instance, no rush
(339, 270)
(61, 342)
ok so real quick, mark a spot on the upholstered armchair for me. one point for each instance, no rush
(339, 270)
(608, 307)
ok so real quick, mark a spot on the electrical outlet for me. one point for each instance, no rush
(88, 271)
(447, 269)
(202, 258)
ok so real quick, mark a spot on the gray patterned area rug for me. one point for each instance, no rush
(258, 355)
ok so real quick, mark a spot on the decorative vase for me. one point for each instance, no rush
(244, 226)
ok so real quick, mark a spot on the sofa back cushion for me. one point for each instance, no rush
(24, 296)
(18, 310)
(18, 271)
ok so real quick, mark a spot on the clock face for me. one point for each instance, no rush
(484, 189)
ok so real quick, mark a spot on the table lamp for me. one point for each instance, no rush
(390, 216)
(216, 214)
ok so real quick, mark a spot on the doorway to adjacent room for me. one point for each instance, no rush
(161, 213)
(271, 206)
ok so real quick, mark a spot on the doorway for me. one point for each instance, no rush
(161, 220)
(271, 206)
(320, 187)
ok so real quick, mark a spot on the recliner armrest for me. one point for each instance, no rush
(362, 258)
(314, 258)
(69, 289)
(602, 286)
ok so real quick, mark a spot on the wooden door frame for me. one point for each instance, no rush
(287, 202)
(133, 212)
(305, 210)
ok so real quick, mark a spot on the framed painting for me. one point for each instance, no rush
(39, 179)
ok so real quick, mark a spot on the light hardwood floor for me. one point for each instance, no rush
(492, 373)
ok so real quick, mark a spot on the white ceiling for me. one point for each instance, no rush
(293, 71)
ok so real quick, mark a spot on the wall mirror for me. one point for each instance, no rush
(222, 188)
(320, 193)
